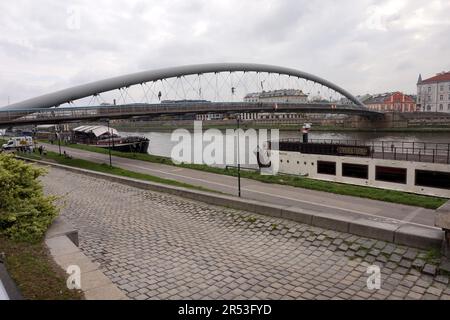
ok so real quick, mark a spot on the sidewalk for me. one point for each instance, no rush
(314, 201)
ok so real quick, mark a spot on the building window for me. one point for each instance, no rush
(326, 167)
(441, 97)
(433, 179)
(441, 88)
(355, 170)
(441, 107)
(428, 107)
(429, 89)
(390, 174)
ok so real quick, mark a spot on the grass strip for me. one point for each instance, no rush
(34, 272)
(105, 168)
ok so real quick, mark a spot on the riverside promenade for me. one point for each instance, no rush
(153, 245)
(311, 200)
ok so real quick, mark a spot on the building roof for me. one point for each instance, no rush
(381, 98)
(440, 77)
(96, 130)
(378, 98)
(276, 93)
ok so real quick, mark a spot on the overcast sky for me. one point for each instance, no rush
(362, 45)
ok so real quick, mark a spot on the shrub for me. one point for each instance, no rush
(25, 212)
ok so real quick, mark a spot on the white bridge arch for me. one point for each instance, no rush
(94, 89)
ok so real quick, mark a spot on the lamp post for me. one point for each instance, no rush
(109, 148)
(58, 134)
(238, 154)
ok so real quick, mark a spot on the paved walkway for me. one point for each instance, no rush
(158, 246)
(315, 201)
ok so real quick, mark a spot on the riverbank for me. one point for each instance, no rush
(294, 181)
(105, 168)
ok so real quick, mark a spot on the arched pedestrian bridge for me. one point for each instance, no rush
(203, 88)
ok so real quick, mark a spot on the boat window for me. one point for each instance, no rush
(390, 174)
(434, 179)
(326, 167)
(355, 170)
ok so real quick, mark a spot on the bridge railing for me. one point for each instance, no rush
(433, 152)
(18, 116)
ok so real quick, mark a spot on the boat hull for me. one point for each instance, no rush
(135, 147)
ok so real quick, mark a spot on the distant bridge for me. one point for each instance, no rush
(61, 115)
(222, 86)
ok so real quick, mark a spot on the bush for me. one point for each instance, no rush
(25, 212)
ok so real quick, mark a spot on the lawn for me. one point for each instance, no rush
(393, 196)
(34, 272)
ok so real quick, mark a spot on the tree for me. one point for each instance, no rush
(25, 212)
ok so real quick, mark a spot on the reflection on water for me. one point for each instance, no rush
(160, 143)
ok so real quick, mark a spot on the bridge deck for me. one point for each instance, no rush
(59, 115)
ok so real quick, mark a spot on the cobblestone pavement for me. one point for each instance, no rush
(157, 246)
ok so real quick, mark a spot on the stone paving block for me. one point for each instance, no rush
(442, 279)
(405, 263)
(429, 269)
(434, 291)
(395, 258)
(418, 264)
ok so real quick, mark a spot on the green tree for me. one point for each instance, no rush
(25, 212)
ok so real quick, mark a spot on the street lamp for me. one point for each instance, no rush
(58, 135)
(238, 154)
(109, 147)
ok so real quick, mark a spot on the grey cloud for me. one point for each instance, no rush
(364, 46)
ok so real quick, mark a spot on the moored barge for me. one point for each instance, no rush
(104, 137)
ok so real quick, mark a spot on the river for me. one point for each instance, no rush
(161, 144)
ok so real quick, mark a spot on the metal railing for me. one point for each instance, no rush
(433, 152)
(59, 114)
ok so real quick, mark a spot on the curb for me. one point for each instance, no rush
(8, 288)
(378, 228)
(62, 241)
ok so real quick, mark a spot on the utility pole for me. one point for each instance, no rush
(59, 138)
(238, 154)
(109, 148)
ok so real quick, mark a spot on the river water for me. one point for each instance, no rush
(161, 144)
